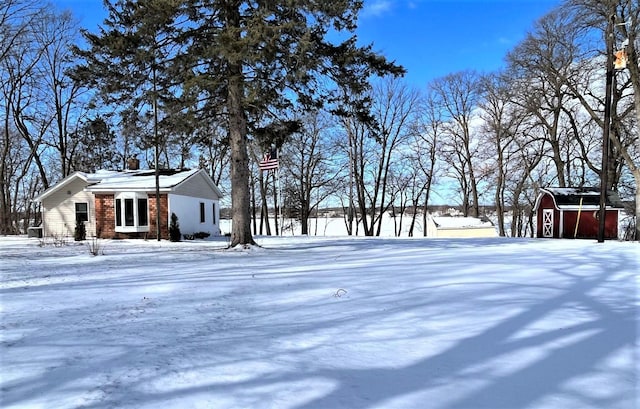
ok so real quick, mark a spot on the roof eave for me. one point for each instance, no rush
(587, 207)
(125, 189)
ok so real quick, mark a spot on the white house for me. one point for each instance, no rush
(122, 204)
(456, 227)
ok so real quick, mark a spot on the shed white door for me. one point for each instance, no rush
(547, 222)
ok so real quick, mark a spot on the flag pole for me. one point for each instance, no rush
(280, 201)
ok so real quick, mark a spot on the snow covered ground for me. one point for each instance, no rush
(320, 322)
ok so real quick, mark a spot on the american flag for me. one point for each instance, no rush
(269, 161)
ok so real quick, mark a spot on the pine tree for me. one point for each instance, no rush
(128, 60)
(257, 57)
(239, 60)
(174, 228)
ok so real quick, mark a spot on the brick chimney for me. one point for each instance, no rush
(133, 163)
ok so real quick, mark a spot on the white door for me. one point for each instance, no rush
(547, 222)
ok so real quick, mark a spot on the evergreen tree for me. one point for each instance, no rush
(128, 60)
(96, 147)
(174, 228)
(239, 60)
(254, 57)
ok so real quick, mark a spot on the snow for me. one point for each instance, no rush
(138, 179)
(582, 191)
(460, 222)
(320, 322)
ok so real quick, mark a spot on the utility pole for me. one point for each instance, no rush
(606, 128)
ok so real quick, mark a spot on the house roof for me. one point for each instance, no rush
(572, 198)
(448, 222)
(88, 178)
(131, 180)
(141, 180)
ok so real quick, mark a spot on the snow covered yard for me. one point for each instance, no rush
(310, 322)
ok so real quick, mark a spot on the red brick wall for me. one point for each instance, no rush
(164, 218)
(106, 218)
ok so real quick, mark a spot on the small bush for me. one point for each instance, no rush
(201, 235)
(188, 236)
(80, 233)
(174, 228)
(95, 248)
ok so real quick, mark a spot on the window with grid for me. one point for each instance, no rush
(82, 212)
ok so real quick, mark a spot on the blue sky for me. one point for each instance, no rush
(430, 38)
(433, 38)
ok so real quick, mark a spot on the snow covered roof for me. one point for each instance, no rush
(139, 180)
(585, 197)
(446, 222)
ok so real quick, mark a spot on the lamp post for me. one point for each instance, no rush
(606, 129)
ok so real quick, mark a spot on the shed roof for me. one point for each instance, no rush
(586, 197)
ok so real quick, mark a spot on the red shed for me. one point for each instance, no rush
(572, 213)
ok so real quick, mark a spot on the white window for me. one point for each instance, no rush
(131, 212)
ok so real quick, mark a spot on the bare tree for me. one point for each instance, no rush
(312, 173)
(375, 149)
(542, 62)
(500, 124)
(427, 129)
(619, 24)
(21, 89)
(21, 135)
(458, 96)
(408, 183)
(54, 34)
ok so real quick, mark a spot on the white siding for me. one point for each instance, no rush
(196, 186)
(188, 211)
(59, 212)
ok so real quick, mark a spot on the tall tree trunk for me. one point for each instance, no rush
(240, 198)
(240, 195)
(500, 182)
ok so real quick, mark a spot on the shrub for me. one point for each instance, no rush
(174, 228)
(95, 248)
(201, 235)
(80, 233)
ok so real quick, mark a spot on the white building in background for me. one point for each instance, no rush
(459, 227)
